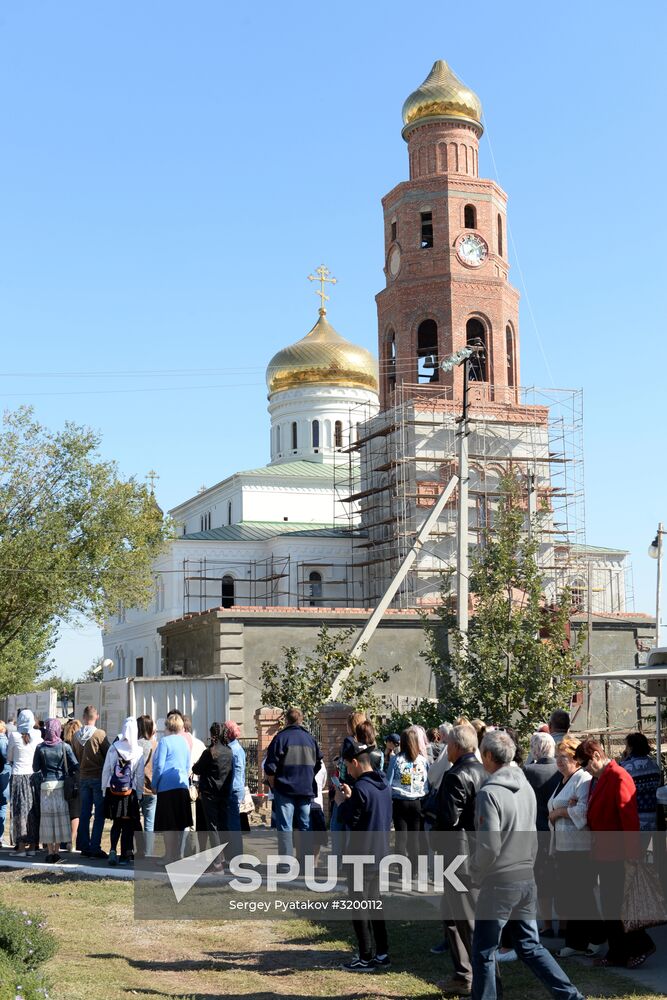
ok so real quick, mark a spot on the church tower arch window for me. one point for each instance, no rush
(229, 512)
(470, 217)
(338, 434)
(427, 352)
(511, 361)
(390, 359)
(500, 235)
(295, 435)
(315, 433)
(227, 591)
(278, 439)
(315, 589)
(426, 238)
(476, 335)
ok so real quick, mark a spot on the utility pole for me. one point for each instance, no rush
(462, 561)
(658, 587)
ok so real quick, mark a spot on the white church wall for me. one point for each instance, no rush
(328, 405)
(288, 503)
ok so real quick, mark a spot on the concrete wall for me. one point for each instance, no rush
(616, 645)
(237, 643)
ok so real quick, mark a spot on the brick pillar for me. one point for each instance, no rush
(333, 730)
(267, 724)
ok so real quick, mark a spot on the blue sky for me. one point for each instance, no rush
(172, 172)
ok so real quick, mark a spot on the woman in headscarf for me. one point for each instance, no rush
(123, 787)
(52, 760)
(24, 801)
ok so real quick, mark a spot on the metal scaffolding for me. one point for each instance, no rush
(391, 475)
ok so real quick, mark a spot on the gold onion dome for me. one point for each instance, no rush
(442, 95)
(322, 357)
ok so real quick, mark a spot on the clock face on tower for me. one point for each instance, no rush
(394, 260)
(471, 249)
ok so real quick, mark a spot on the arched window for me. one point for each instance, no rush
(470, 217)
(315, 589)
(338, 434)
(427, 352)
(229, 512)
(500, 235)
(426, 241)
(476, 337)
(509, 341)
(316, 433)
(579, 589)
(278, 439)
(295, 437)
(391, 359)
(227, 592)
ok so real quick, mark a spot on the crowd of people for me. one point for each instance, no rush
(468, 777)
(63, 782)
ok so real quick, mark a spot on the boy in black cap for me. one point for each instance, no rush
(366, 808)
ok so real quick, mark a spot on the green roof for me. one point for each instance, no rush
(597, 548)
(258, 531)
(302, 470)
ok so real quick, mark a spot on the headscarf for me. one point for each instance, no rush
(26, 721)
(128, 743)
(233, 729)
(52, 731)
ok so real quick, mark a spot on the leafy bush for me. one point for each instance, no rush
(21, 984)
(426, 713)
(24, 940)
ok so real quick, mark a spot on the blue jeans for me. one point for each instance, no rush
(148, 807)
(291, 812)
(508, 902)
(5, 775)
(91, 796)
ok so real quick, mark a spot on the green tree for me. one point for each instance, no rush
(305, 680)
(517, 663)
(76, 539)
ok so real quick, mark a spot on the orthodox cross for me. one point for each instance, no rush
(151, 477)
(322, 275)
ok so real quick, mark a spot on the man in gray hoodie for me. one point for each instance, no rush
(502, 866)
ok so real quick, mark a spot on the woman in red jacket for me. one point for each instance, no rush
(612, 806)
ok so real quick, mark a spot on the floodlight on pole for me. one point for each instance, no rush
(456, 359)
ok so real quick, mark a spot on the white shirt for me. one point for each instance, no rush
(571, 833)
(20, 754)
(320, 782)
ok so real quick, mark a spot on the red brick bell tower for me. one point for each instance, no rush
(446, 262)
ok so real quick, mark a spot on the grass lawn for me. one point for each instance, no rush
(105, 955)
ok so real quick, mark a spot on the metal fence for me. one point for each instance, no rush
(251, 765)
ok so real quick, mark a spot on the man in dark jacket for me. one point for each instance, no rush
(366, 809)
(292, 761)
(456, 814)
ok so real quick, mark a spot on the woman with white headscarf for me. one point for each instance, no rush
(123, 787)
(24, 805)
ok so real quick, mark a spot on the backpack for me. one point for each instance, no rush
(121, 777)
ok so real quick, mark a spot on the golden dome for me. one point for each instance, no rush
(442, 95)
(322, 357)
